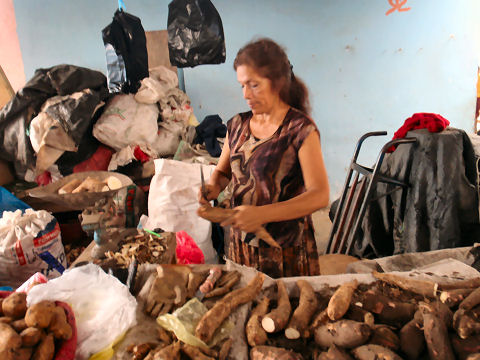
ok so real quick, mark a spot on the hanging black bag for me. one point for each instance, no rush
(126, 52)
(195, 33)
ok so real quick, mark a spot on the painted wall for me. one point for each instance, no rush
(10, 54)
(366, 70)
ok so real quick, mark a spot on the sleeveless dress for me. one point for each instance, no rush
(266, 171)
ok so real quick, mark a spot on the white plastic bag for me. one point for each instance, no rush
(104, 308)
(155, 87)
(127, 122)
(173, 202)
(22, 238)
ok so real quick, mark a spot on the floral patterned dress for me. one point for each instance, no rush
(266, 171)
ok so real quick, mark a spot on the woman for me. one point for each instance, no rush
(273, 156)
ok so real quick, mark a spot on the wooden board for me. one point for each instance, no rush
(6, 90)
(157, 48)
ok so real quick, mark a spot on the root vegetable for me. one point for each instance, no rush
(319, 319)
(344, 333)
(113, 183)
(195, 279)
(389, 312)
(465, 347)
(10, 342)
(46, 349)
(464, 324)
(334, 353)
(340, 301)
(384, 336)
(474, 357)
(436, 337)
(1, 310)
(222, 290)
(59, 326)
(194, 353)
(422, 287)
(272, 353)
(214, 317)
(254, 331)
(277, 319)
(225, 349)
(374, 352)
(412, 340)
(441, 310)
(170, 352)
(454, 297)
(31, 336)
(471, 300)
(218, 215)
(19, 325)
(6, 320)
(69, 187)
(356, 313)
(462, 284)
(40, 314)
(23, 354)
(139, 352)
(89, 185)
(227, 277)
(303, 313)
(164, 336)
(15, 305)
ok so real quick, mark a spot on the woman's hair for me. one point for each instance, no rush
(270, 61)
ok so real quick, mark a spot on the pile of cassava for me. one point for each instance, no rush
(31, 333)
(392, 318)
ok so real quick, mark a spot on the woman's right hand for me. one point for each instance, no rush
(212, 192)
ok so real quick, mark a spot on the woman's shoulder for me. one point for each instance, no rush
(298, 119)
(238, 119)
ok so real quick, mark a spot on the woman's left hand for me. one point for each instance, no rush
(247, 218)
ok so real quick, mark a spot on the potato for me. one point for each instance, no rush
(10, 341)
(15, 305)
(31, 336)
(59, 326)
(19, 325)
(40, 314)
(46, 349)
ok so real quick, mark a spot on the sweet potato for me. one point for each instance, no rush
(340, 300)
(15, 305)
(195, 279)
(441, 310)
(214, 317)
(465, 324)
(319, 319)
(389, 311)
(46, 349)
(225, 287)
(23, 354)
(436, 337)
(334, 353)
(69, 187)
(277, 319)
(272, 353)
(254, 331)
(195, 353)
(472, 300)
(10, 342)
(422, 287)
(412, 340)
(31, 336)
(164, 336)
(302, 315)
(356, 313)
(19, 325)
(464, 347)
(454, 297)
(59, 326)
(170, 352)
(374, 352)
(225, 349)
(344, 333)
(40, 314)
(140, 351)
(6, 320)
(384, 336)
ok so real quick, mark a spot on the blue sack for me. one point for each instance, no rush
(9, 202)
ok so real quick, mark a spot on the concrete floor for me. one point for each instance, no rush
(322, 226)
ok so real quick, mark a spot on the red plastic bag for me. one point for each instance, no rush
(97, 162)
(187, 250)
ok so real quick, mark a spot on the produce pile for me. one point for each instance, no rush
(90, 184)
(31, 333)
(393, 318)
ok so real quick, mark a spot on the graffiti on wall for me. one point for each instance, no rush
(397, 5)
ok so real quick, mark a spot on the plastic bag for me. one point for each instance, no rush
(173, 202)
(126, 53)
(184, 320)
(195, 33)
(187, 251)
(23, 238)
(155, 87)
(103, 306)
(9, 202)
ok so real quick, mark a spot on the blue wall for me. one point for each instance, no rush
(366, 71)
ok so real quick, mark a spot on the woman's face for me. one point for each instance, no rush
(257, 90)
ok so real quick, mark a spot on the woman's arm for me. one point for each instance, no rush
(316, 196)
(220, 176)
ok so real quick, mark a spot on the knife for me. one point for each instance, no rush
(209, 283)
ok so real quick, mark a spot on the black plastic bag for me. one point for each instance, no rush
(195, 33)
(126, 52)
